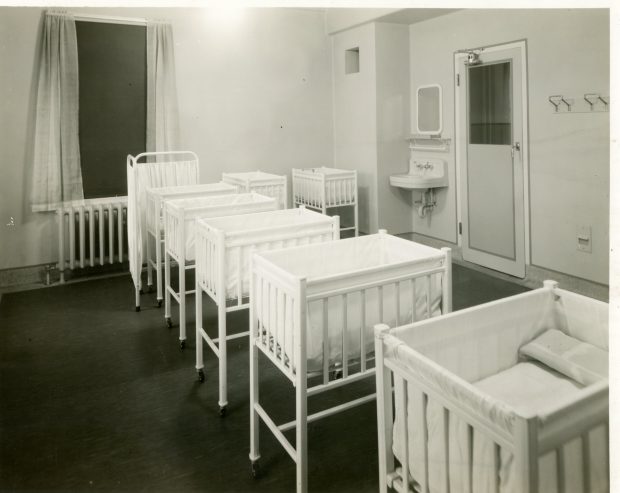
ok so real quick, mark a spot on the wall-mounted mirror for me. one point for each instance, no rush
(429, 109)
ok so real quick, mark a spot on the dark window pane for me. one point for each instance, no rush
(490, 104)
(112, 74)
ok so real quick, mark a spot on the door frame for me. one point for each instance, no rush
(461, 142)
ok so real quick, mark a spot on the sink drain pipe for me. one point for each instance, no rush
(427, 202)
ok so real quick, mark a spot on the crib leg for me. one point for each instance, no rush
(149, 268)
(137, 299)
(384, 412)
(301, 442)
(255, 469)
(182, 332)
(158, 265)
(167, 289)
(199, 355)
(221, 326)
(254, 420)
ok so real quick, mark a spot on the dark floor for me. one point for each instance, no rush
(94, 396)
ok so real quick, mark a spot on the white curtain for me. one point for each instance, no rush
(162, 112)
(57, 173)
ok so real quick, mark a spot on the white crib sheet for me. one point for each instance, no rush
(217, 206)
(350, 258)
(390, 317)
(525, 387)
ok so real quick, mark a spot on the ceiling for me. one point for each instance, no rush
(411, 16)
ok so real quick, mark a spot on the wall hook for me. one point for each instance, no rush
(591, 99)
(568, 105)
(555, 101)
(603, 101)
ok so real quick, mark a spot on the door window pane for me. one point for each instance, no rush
(490, 111)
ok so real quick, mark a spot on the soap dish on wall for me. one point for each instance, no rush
(429, 143)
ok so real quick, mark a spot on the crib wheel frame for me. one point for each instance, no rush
(169, 322)
(182, 345)
(223, 411)
(201, 375)
(255, 469)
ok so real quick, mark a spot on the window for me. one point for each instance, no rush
(352, 61)
(112, 104)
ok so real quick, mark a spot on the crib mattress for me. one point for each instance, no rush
(252, 176)
(528, 387)
(215, 206)
(343, 262)
(323, 170)
(194, 190)
(351, 256)
(248, 233)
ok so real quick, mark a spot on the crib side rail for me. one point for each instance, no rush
(408, 295)
(209, 241)
(272, 188)
(341, 189)
(570, 420)
(308, 188)
(153, 212)
(411, 395)
(274, 310)
(174, 230)
(275, 187)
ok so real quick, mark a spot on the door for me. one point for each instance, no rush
(491, 172)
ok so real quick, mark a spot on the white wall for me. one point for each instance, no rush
(254, 92)
(568, 53)
(355, 118)
(28, 242)
(393, 110)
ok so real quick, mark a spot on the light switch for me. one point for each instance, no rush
(584, 239)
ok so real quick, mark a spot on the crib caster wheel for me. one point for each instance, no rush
(222, 411)
(168, 322)
(138, 308)
(255, 469)
(182, 345)
(149, 288)
(201, 375)
(158, 303)
(141, 291)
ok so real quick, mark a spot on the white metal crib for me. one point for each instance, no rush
(260, 182)
(312, 309)
(179, 239)
(509, 396)
(146, 170)
(223, 248)
(155, 198)
(327, 188)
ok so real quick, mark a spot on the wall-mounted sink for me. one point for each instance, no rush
(423, 173)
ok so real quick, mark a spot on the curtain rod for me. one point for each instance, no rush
(110, 19)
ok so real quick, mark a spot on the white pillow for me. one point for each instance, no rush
(581, 361)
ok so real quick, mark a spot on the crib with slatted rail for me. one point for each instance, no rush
(312, 309)
(327, 188)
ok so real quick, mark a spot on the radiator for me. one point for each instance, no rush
(91, 232)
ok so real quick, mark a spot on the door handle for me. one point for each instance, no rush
(515, 147)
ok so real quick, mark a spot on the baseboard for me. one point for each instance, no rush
(48, 275)
(534, 275)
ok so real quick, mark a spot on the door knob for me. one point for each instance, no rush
(515, 147)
